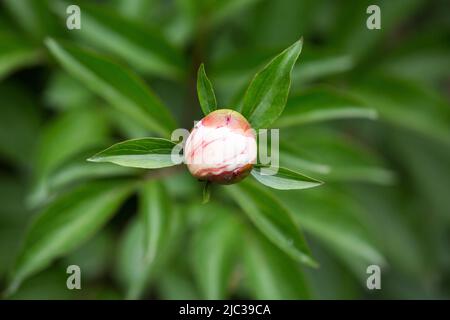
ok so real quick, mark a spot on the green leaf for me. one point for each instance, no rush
(149, 153)
(239, 65)
(126, 127)
(156, 212)
(65, 224)
(80, 170)
(322, 104)
(223, 9)
(267, 94)
(174, 285)
(206, 15)
(283, 179)
(272, 219)
(142, 47)
(232, 73)
(63, 92)
(279, 22)
(183, 23)
(427, 162)
(270, 273)
(16, 53)
(406, 104)
(213, 269)
(94, 256)
(385, 210)
(302, 159)
(62, 138)
(335, 219)
(333, 156)
(136, 9)
(206, 192)
(205, 92)
(122, 89)
(71, 174)
(350, 34)
(34, 17)
(317, 64)
(424, 64)
(133, 271)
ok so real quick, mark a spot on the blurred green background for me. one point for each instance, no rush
(386, 199)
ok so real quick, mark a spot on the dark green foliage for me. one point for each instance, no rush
(364, 111)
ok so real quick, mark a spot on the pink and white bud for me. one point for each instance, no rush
(221, 147)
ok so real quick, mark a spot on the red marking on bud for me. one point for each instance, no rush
(221, 148)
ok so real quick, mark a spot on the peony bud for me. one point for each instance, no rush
(221, 147)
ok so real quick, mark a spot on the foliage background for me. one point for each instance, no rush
(386, 198)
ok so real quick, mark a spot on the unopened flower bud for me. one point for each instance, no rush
(221, 147)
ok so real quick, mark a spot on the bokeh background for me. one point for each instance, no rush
(386, 200)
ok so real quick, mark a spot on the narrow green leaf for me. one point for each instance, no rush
(304, 160)
(120, 88)
(406, 104)
(283, 179)
(280, 21)
(428, 165)
(34, 17)
(333, 156)
(267, 94)
(272, 219)
(224, 9)
(80, 171)
(317, 64)
(133, 271)
(62, 138)
(126, 127)
(136, 9)
(348, 36)
(206, 192)
(336, 219)
(213, 269)
(149, 153)
(94, 256)
(270, 273)
(385, 210)
(71, 174)
(233, 72)
(144, 48)
(176, 285)
(65, 224)
(183, 24)
(155, 210)
(63, 92)
(427, 64)
(205, 92)
(242, 62)
(238, 66)
(322, 104)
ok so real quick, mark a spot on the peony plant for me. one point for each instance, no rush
(222, 147)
